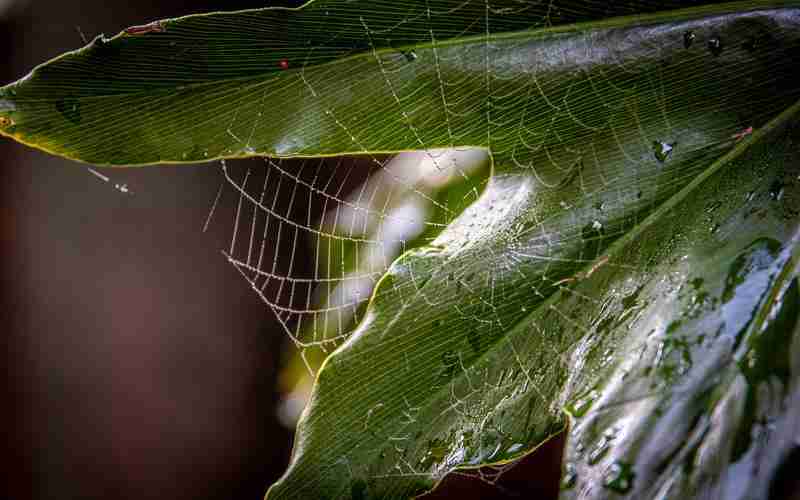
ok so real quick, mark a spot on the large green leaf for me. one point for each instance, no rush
(210, 86)
(631, 261)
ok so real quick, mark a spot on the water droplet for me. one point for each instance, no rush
(619, 477)
(514, 448)
(570, 476)
(688, 39)
(597, 225)
(410, 56)
(715, 45)
(662, 150)
(599, 450)
(776, 190)
(714, 229)
(582, 404)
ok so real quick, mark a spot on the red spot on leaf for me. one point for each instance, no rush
(154, 27)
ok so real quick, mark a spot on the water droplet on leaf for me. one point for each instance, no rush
(570, 476)
(688, 39)
(582, 404)
(776, 190)
(410, 56)
(715, 46)
(599, 451)
(514, 448)
(620, 477)
(662, 150)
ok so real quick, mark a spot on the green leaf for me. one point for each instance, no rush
(210, 86)
(675, 355)
(634, 317)
(630, 266)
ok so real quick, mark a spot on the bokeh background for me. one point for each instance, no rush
(139, 363)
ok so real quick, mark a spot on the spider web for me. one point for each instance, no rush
(349, 218)
(355, 236)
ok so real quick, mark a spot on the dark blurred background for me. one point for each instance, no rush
(139, 363)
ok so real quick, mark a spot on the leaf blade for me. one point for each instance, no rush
(136, 100)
